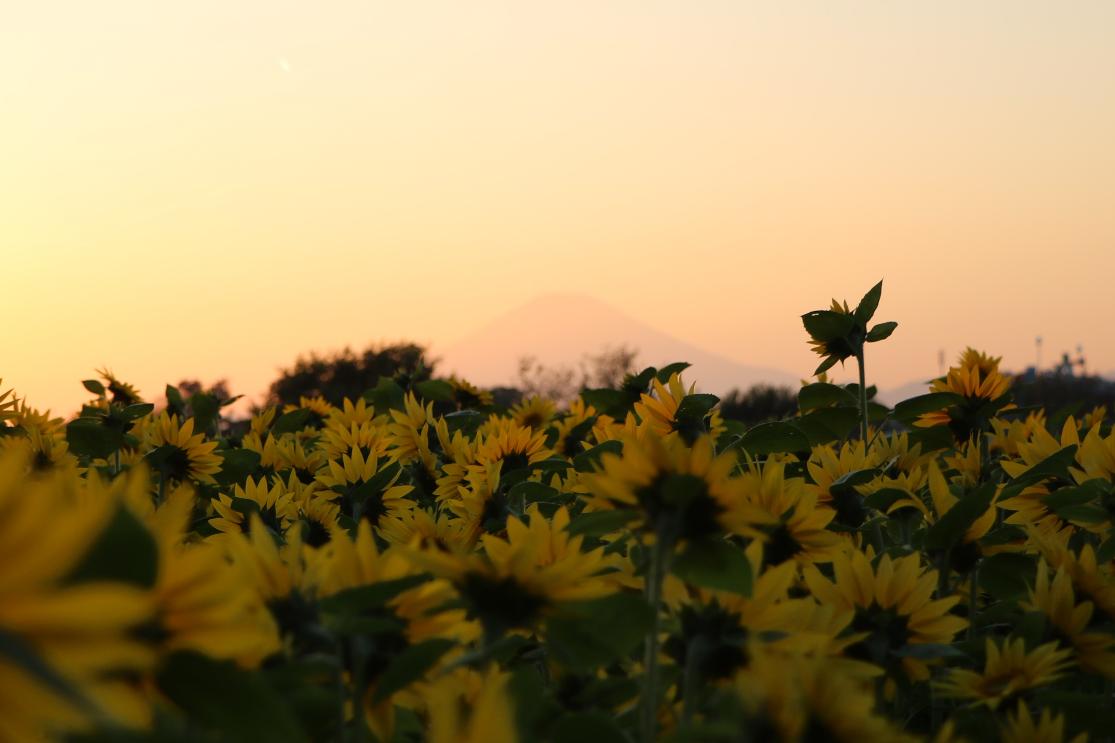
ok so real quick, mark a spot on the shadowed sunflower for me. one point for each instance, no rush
(1069, 621)
(468, 395)
(660, 411)
(515, 446)
(1029, 506)
(338, 439)
(204, 602)
(467, 706)
(1008, 672)
(573, 430)
(790, 523)
(366, 487)
(78, 635)
(274, 504)
(352, 414)
(1048, 728)
(515, 582)
(533, 413)
(176, 451)
(675, 491)
(800, 700)
(984, 392)
(894, 608)
(8, 402)
(1094, 579)
(409, 618)
(1097, 455)
(121, 392)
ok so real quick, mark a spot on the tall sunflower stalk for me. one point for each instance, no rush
(839, 333)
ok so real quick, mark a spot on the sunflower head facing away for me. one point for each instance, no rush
(839, 332)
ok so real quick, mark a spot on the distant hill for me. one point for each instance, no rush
(559, 329)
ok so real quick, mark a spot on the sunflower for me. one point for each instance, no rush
(1054, 597)
(81, 633)
(319, 407)
(534, 412)
(366, 486)
(351, 414)
(339, 438)
(1008, 672)
(468, 395)
(1094, 579)
(1048, 728)
(204, 602)
(968, 550)
(659, 411)
(981, 389)
(307, 464)
(676, 491)
(420, 529)
(573, 429)
(181, 454)
(318, 518)
(1006, 435)
(122, 392)
(1097, 455)
(893, 606)
(790, 523)
(511, 444)
(261, 421)
(833, 349)
(467, 706)
(8, 403)
(274, 504)
(411, 617)
(718, 630)
(408, 436)
(810, 699)
(517, 581)
(45, 449)
(1029, 506)
(271, 459)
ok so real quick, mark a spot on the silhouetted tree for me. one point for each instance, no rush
(760, 403)
(348, 374)
(563, 383)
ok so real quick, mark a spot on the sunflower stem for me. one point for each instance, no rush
(648, 702)
(162, 485)
(116, 464)
(973, 598)
(862, 399)
(359, 658)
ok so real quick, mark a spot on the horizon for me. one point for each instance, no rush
(239, 185)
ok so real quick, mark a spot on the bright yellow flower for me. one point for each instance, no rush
(533, 413)
(366, 487)
(274, 504)
(791, 524)
(976, 386)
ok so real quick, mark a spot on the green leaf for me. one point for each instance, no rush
(865, 310)
(410, 666)
(533, 492)
(587, 461)
(592, 726)
(822, 395)
(365, 598)
(291, 422)
(824, 366)
(716, 564)
(1056, 465)
(828, 424)
(205, 408)
(386, 395)
(772, 437)
(87, 437)
(695, 407)
(136, 411)
(94, 386)
(951, 527)
(224, 698)
(909, 410)
(826, 325)
(125, 552)
(585, 635)
(238, 465)
(881, 332)
(663, 375)
(599, 523)
(1007, 575)
(609, 401)
(884, 498)
(434, 390)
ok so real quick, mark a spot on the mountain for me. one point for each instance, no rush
(560, 329)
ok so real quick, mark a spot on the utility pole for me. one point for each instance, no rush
(1037, 363)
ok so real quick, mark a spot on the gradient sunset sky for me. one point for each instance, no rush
(205, 189)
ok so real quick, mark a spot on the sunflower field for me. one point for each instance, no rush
(422, 565)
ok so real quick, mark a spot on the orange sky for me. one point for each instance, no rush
(206, 189)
